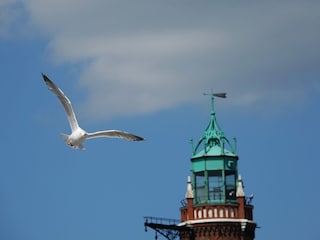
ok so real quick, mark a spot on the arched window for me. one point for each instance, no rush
(232, 213)
(204, 213)
(221, 212)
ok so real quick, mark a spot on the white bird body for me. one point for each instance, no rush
(78, 135)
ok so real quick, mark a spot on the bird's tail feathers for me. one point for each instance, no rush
(80, 147)
(65, 137)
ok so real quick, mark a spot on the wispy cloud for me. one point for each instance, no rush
(9, 11)
(146, 57)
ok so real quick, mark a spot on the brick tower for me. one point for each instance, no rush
(215, 207)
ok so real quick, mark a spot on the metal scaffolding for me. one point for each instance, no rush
(168, 228)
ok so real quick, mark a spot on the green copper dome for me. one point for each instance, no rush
(213, 141)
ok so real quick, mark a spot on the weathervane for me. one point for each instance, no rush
(220, 95)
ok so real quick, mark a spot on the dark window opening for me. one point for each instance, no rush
(215, 185)
(200, 187)
(230, 185)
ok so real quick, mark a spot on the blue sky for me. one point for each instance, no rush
(142, 67)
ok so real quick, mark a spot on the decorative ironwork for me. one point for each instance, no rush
(168, 228)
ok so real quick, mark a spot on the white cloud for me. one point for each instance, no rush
(140, 74)
(9, 11)
(146, 57)
(141, 45)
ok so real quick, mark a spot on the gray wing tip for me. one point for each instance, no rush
(49, 83)
(45, 77)
(137, 138)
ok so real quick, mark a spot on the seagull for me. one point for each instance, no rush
(78, 135)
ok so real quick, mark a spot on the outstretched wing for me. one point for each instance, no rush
(114, 134)
(64, 101)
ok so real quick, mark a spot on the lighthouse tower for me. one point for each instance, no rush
(216, 206)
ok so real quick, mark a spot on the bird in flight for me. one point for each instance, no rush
(78, 135)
